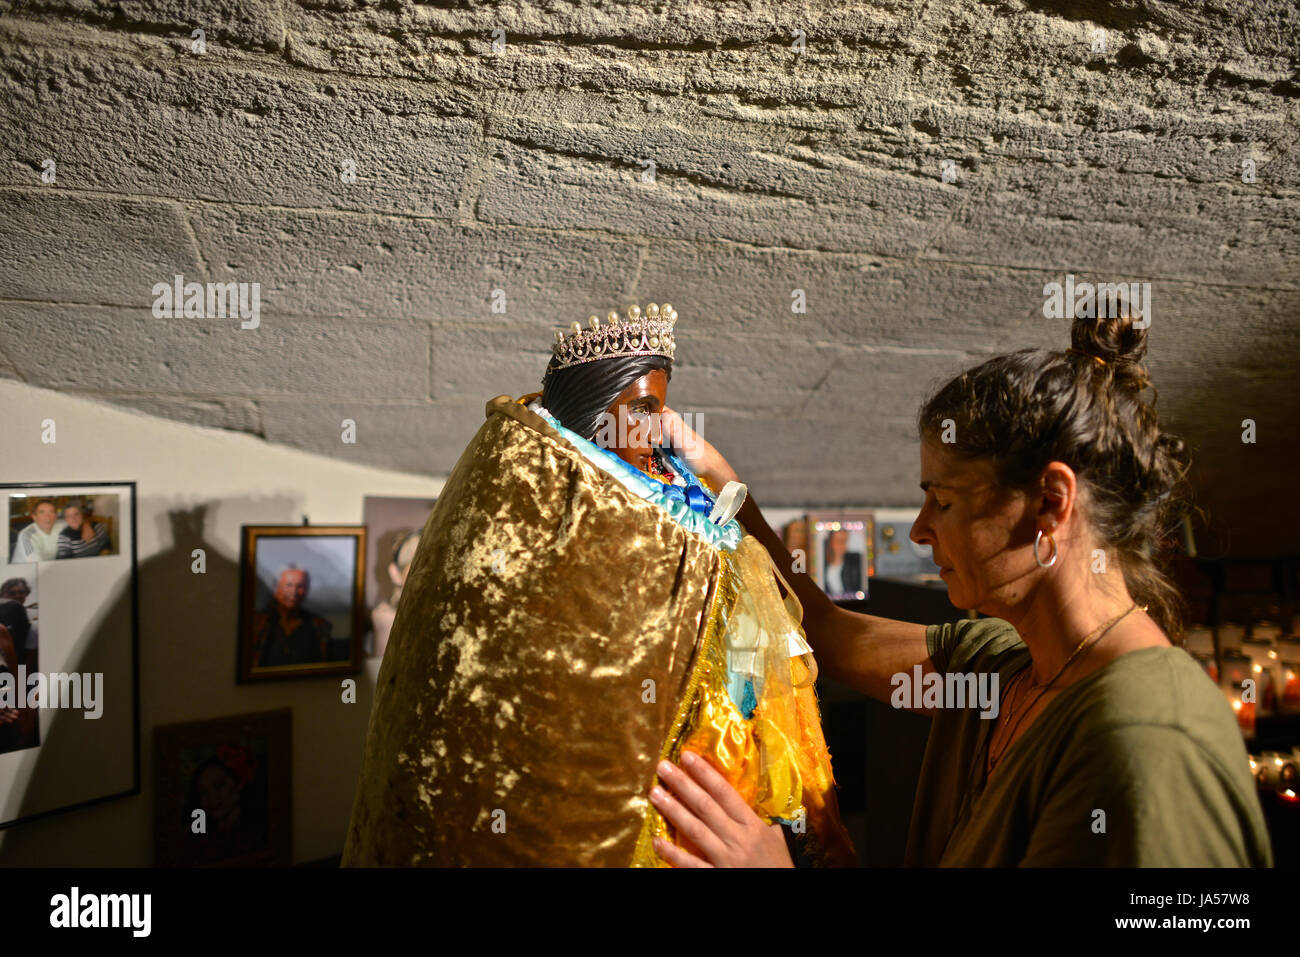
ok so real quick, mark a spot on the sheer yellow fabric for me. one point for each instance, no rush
(777, 759)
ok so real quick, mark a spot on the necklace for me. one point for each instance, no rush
(1016, 680)
(658, 469)
(1086, 643)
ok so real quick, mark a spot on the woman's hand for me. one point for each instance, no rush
(704, 460)
(715, 818)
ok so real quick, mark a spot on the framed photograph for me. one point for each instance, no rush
(840, 553)
(393, 527)
(223, 792)
(47, 525)
(302, 601)
(69, 717)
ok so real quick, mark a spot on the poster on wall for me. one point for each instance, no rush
(69, 718)
(841, 552)
(393, 528)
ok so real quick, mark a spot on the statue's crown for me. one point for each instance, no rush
(636, 335)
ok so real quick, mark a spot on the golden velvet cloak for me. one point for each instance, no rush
(556, 636)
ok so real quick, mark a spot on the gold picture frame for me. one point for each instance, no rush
(285, 632)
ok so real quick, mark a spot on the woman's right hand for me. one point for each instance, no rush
(704, 460)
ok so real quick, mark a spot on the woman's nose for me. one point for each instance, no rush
(920, 533)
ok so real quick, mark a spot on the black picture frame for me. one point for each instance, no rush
(77, 739)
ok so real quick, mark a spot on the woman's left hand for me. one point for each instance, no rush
(706, 461)
(715, 818)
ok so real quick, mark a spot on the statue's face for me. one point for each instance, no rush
(637, 412)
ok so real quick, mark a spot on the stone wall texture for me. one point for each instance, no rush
(395, 174)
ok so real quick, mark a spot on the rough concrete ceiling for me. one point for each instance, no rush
(1105, 140)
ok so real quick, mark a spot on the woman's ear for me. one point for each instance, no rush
(1059, 487)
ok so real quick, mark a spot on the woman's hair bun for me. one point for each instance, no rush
(1114, 340)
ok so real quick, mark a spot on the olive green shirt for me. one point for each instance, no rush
(1139, 763)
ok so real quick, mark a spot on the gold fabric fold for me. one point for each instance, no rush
(557, 635)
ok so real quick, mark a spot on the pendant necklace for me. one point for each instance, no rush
(970, 773)
(1088, 642)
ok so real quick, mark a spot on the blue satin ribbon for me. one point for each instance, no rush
(692, 495)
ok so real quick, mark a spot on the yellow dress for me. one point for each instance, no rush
(777, 758)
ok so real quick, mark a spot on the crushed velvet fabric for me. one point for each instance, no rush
(543, 644)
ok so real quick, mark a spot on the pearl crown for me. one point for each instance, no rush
(638, 335)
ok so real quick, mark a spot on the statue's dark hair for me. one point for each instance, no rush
(579, 395)
(1023, 410)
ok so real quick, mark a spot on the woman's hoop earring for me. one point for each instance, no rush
(1041, 563)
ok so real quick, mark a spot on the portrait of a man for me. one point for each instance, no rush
(285, 632)
(301, 606)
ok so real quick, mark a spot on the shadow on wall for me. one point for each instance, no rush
(1246, 489)
(186, 661)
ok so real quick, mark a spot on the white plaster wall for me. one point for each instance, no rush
(187, 621)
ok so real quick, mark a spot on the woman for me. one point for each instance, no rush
(615, 401)
(579, 607)
(1047, 483)
(82, 537)
(231, 793)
